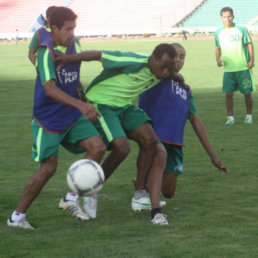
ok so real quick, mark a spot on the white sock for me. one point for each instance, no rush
(17, 216)
(231, 117)
(71, 197)
(249, 116)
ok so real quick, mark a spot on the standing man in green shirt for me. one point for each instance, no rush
(234, 51)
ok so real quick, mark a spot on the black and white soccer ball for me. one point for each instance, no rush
(85, 177)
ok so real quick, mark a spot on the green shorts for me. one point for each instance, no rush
(174, 158)
(115, 121)
(242, 81)
(46, 144)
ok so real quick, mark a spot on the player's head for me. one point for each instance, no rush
(227, 16)
(162, 60)
(180, 56)
(62, 24)
(49, 11)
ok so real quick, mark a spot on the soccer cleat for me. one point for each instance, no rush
(140, 204)
(19, 224)
(90, 205)
(248, 120)
(159, 219)
(74, 208)
(144, 203)
(230, 121)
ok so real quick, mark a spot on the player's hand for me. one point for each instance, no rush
(89, 111)
(81, 94)
(219, 63)
(178, 78)
(61, 58)
(217, 163)
(250, 65)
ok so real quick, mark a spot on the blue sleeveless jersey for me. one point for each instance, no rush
(52, 115)
(43, 35)
(167, 105)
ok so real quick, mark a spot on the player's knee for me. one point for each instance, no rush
(95, 147)
(47, 168)
(168, 193)
(121, 147)
(146, 137)
(99, 149)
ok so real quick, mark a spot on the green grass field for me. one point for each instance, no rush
(212, 215)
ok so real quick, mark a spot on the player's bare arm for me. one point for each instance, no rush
(32, 55)
(218, 55)
(250, 64)
(88, 55)
(55, 93)
(203, 137)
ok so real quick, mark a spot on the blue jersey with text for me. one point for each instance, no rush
(167, 105)
(52, 115)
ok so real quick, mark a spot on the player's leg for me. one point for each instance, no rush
(31, 190)
(112, 132)
(249, 108)
(146, 140)
(174, 167)
(246, 86)
(151, 161)
(150, 176)
(82, 137)
(95, 148)
(114, 136)
(229, 103)
(169, 184)
(36, 183)
(45, 151)
(229, 86)
(155, 178)
(119, 151)
(120, 148)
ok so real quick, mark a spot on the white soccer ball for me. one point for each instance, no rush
(85, 177)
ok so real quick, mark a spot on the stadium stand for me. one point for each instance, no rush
(123, 17)
(207, 15)
(20, 14)
(113, 17)
(100, 17)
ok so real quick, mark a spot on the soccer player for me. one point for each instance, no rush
(59, 117)
(169, 104)
(40, 35)
(124, 77)
(234, 50)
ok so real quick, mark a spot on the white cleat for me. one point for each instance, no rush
(19, 224)
(160, 219)
(144, 203)
(74, 208)
(140, 204)
(90, 205)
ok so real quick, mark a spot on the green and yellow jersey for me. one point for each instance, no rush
(233, 43)
(124, 77)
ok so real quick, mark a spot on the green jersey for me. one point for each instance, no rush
(125, 75)
(234, 50)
